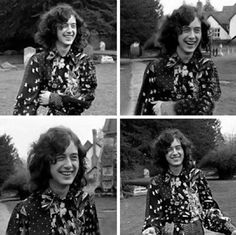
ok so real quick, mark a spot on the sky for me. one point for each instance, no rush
(228, 125)
(25, 130)
(170, 5)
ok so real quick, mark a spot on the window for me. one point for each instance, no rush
(215, 32)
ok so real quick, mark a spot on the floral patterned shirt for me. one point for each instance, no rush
(45, 213)
(70, 79)
(194, 86)
(183, 199)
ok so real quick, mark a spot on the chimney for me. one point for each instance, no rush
(199, 7)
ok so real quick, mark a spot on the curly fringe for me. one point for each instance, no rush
(46, 35)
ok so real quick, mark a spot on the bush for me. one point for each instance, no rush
(18, 181)
(223, 158)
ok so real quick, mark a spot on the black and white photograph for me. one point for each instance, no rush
(58, 57)
(58, 175)
(178, 176)
(177, 57)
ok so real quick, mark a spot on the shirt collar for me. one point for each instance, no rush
(184, 175)
(176, 60)
(54, 53)
(49, 198)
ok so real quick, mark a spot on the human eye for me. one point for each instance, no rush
(62, 26)
(74, 157)
(179, 147)
(60, 157)
(73, 26)
(169, 150)
(186, 29)
(197, 30)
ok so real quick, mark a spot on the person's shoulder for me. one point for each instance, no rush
(38, 56)
(84, 198)
(155, 64)
(25, 204)
(206, 62)
(196, 173)
(157, 179)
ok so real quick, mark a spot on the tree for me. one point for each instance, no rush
(8, 157)
(208, 6)
(18, 181)
(138, 21)
(138, 135)
(223, 158)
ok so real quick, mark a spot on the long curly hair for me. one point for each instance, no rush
(172, 28)
(164, 141)
(43, 154)
(46, 35)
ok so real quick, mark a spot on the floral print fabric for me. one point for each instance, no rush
(70, 79)
(47, 214)
(183, 199)
(194, 86)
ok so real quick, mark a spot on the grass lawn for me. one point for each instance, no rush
(106, 93)
(132, 209)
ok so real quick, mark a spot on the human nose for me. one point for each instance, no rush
(175, 151)
(68, 163)
(191, 34)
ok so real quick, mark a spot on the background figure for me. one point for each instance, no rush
(181, 81)
(179, 200)
(61, 77)
(58, 204)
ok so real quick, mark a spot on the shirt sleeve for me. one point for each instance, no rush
(213, 217)
(18, 223)
(154, 208)
(143, 106)
(82, 97)
(91, 225)
(27, 98)
(209, 92)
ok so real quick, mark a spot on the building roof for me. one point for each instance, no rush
(109, 126)
(223, 17)
(89, 145)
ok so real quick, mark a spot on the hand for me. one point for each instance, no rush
(234, 232)
(168, 108)
(149, 231)
(169, 229)
(44, 97)
(157, 107)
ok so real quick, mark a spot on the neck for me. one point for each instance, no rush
(185, 57)
(62, 49)
(60, 190)
(176, 170)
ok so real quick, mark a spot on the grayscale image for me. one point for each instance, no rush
(58, 57)
(177, 57)
(178, 176)
(58, 176)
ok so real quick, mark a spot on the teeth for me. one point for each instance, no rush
(66, 173)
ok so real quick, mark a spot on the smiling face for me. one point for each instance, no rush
(190, 37)
(66, 32)
(65, 169)
(175, 154)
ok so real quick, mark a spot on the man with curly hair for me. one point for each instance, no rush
(58, 204)
(61, 77)
(181, 81)
(179, 200)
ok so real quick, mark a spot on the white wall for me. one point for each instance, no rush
(214, 24)
(90, 154)
(232, 26)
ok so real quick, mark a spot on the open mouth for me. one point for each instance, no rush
(66, 173)
(191, 43)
